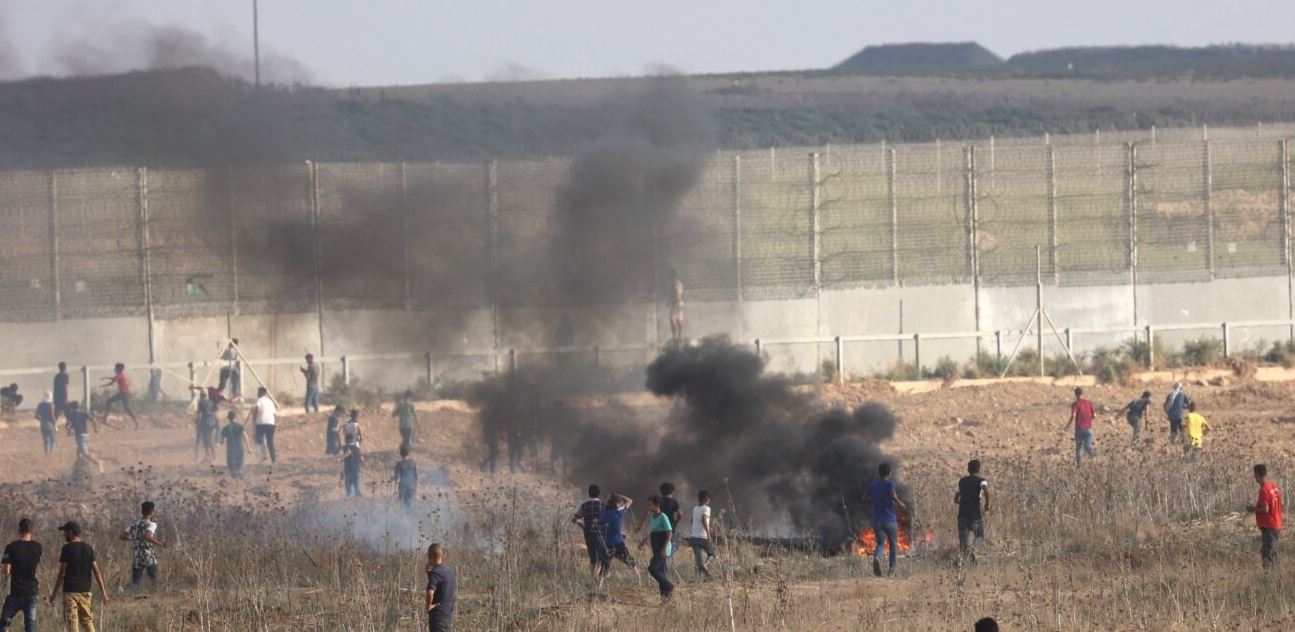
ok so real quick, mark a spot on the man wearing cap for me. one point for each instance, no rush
(21, 558)
(76, 564)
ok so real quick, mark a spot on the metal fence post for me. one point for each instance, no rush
(1208, 200)
(1052, 213)
(892, 201)
(759, 349)
(815, 244)
(736, 201)
(492, 228)
(917, 353)
(346, 370)
(973, 236)
(56, 276)
(407, 268)
(1151, 349)
(598, 358)
(431, 369)
(840, 361)
(1227, 342)
(145, 259)
(1070, 342)
(1131, 206)
(1285, 210)
(85, 389)
(512, 360)
(998, 345)
(230, 215)
(313, 170)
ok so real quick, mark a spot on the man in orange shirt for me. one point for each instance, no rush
(1268, 515)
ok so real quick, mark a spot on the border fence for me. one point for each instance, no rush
(1167, 205)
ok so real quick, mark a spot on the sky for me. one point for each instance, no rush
(386, 42)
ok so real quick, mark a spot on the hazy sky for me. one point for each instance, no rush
(372, 42)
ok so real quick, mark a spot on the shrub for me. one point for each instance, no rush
(946, 369)
(1201, 352)
(1282, 353)
(985, 364)
(354, 395)
(1110, 365)
(900, 372)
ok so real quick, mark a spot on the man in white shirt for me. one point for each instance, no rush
(701, 539)
(262, 419)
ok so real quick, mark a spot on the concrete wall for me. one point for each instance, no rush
(927, 309)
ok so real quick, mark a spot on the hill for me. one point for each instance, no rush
(1146, 62)
(919, 58)
(196, 117)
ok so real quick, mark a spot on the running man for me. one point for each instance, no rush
(659, 536)
(262, 416)
(971, 519)
(311, 373)
(234, 437)
(676, 307)
(1081, 415)
(142, 536)
(883, 494)
(1268, 515)
(406, 478)
(21, 559)
(61, 382)
(79, 424)
(123, 393)
(76, 565)
(590, 520)
(406, 418)
(1175, 409)
(613, 520)
(702, 540)
(48, 421)
(1194, 426)
(440, 590)
(1135, 412)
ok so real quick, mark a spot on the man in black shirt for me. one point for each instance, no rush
(21, 557)
(78, 423)
(76, 565)
(440, 590)
(670, 507)
(971, 488)
(1136, 414)
(61, 381)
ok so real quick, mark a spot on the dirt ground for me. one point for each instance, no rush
(938, 432)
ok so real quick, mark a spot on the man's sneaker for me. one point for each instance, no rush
(876, 567)
(890, 572)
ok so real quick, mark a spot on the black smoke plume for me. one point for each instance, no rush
(737, 430)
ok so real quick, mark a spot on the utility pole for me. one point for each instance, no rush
(256, 41)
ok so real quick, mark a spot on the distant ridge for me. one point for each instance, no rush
(919, 57)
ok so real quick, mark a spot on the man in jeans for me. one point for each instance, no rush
(78, 423)
(590, 519)
(406, 417)
(141, 535)
(76, 565)
(1081, 415)
(262, 417)
(971, 488)
(1268, 515)
(700, 539)
(884, 497)
(21, 558)
(311, 373)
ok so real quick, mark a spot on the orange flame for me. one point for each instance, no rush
(866, 544)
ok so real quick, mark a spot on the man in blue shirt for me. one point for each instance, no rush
(440, 590)
(885, 521)
(1176, 409)
(613, 516)
(590, 519)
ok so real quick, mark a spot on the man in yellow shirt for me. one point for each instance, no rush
(1196, 427)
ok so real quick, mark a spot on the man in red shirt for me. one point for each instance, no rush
(1268, 515)
(1081, 415)
(123, 393)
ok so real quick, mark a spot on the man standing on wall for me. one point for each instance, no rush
(311, 373)
(1081, 415)
(262, 418)
(1268, 515)
(232, 372)
(123, 393)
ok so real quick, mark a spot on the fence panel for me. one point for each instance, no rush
(361, 235)
(932, 216)
(274, 239)
(99, 243)
(526, 219)
(189, 242)
(448, 235)
(855, 217)
(1014, 219)
(777, 228)
(1173, 228)
(700, 245)
(27, 284)
(1092, 214)
(1246, 200)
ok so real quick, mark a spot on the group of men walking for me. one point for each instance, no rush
(1186, 425)
(602, 523)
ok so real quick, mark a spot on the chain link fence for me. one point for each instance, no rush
(1176, 205)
